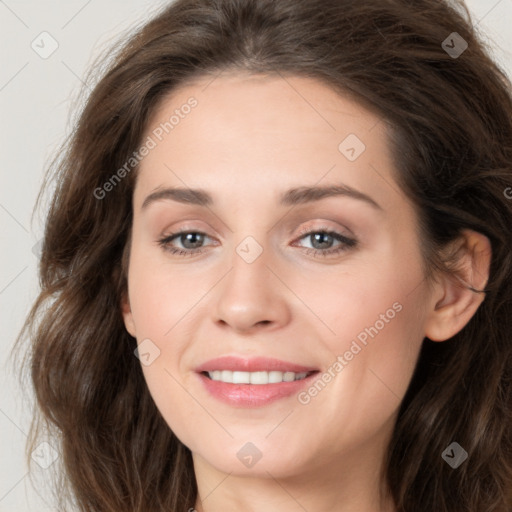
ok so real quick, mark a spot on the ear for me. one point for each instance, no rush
(127, 314)
(453, 303)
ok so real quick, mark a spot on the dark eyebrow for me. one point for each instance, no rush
(303, 195)
(182, 195)
(294, 196)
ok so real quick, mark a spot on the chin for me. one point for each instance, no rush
(276, 466)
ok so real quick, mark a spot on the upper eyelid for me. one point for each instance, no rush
(289, 231)
(324, 228)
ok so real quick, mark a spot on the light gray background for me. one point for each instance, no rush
(36, 98)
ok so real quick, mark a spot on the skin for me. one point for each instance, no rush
(249, 139)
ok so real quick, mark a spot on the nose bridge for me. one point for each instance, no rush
(249, 278)
(250, 294)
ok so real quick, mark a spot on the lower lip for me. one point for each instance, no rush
(253, 395)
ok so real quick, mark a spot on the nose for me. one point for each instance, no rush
(251, 298)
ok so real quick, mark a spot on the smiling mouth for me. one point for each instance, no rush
(258, 378)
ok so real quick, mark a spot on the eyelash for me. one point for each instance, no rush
(346, 243)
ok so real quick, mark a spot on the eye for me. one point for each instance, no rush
(191, 241)
(322, 241)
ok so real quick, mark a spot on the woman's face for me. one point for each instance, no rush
(301, 248)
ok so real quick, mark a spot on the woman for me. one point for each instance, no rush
(276, 269)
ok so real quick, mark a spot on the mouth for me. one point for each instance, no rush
(254, 382)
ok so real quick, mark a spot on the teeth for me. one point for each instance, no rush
(272, 377)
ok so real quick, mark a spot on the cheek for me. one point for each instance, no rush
(376, 355)
(160, 295)
(378, 324)
(367, 379)
(161, 305)
(158, 305)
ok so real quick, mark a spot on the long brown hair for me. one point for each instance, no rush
(451, 119)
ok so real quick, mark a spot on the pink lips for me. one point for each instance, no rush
(254, 364)
(252, 395)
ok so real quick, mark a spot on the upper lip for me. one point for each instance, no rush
(253, 364)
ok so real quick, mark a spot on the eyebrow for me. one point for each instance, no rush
(291, 197)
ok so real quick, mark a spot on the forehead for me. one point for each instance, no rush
(259, 131)
(270, 102)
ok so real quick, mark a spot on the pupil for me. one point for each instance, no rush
(320, 237)
(194, 238)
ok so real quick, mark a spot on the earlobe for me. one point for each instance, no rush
(127, 314)
(458, 296)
